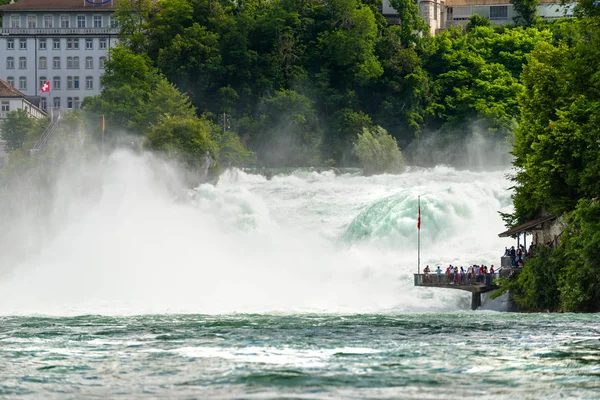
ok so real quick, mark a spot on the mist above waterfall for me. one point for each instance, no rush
(130, 238)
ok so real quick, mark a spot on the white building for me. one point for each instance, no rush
(65, 42)
(442, 14)
(10, 100)
(499, 12)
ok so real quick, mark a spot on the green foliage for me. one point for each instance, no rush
(165, 99)
(187, 139)
(232, 152)
(477, 20)
(133, 16)
(555, 147)
(128, 81)
(536, 287)
(580, 278)
(378, 152)
(289, 132)
(526, 11)
(20, 130)
(558, 163)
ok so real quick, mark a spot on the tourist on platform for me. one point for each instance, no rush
(439, 273)
(427, 274)
(513, 255)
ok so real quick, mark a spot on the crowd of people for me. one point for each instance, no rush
(475, 274)
(518, 256)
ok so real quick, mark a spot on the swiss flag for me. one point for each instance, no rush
(45, 87)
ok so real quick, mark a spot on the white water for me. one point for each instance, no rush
(252, 245)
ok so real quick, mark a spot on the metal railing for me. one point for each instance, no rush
(43, 141)
(466, 279)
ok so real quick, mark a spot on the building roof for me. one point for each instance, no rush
(527, 226)
(8, 91)
(59, 5)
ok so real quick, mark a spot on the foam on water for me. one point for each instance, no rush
(306, 242)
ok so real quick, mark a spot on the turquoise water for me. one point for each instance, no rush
(300, 286)
(413, 356)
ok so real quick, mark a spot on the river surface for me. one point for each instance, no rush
(468, 355)
(300, 286)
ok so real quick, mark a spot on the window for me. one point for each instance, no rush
(64, 21)
(22, 62)
(89, 62)
(69, 82)
(113, 22)
(57, 102)
(498, 12)
(89, 44)
(22, 83)
(69, 102)
(15, 21)
(42, 44)
(89, 82)
(69, 62)
(10, 44)
(43, 80)
(97, 21)
(10, 63)
(43, 63)
(56, 83)
(102, 62)
(5, 106)
(76, 62)
(102, 43)
(56, 63)
(31, 21)
(76, 102)
(48, 21)
(44, 103)
(56, 44)
(23, 44)
(75, 82)
(73, 44)
(81, 21)
(11, 81)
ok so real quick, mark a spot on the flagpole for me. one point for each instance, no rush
(102, 135)
(419, 241)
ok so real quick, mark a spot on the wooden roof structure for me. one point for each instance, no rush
(533, 225)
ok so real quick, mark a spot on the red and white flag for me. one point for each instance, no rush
(419, 219)
(45, 87)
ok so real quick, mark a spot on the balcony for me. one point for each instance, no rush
(58, 31)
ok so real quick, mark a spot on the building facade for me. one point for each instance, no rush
(442, 14)
(10, 100)
(64, 42)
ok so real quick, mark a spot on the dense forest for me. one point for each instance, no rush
(299, 82)
(287, 83)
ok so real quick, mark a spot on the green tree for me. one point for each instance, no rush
(378, 152)
(289, 133)
(133, 17)
(477, 20)
(580, 279)
(526, 11)
(164, 99)
(128, 81)
(187, 139)
(412, 25)
(16, 128)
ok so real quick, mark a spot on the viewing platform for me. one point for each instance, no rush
(475, 285)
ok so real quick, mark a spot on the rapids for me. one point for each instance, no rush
(302, 242)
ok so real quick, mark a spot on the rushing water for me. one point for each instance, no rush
(299, 286)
